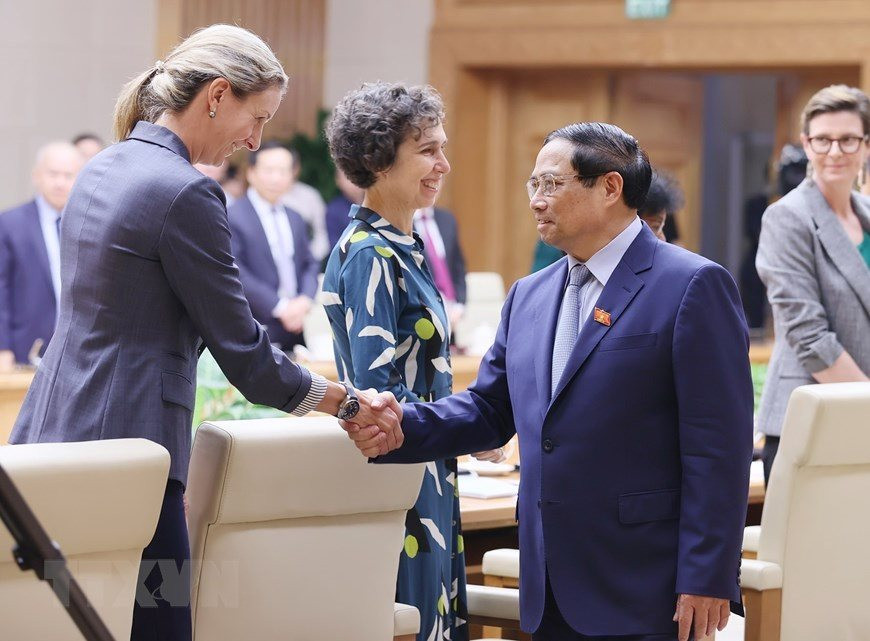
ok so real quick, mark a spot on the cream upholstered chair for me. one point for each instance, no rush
(294, 535)
(100, 502)
(479, 322)
(810, 580)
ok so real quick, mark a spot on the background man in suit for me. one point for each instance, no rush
(440, 233)
(306, 201)
(30, 255)
(271, 248)
(624, 370)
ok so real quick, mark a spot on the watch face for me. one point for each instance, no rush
(350, 409)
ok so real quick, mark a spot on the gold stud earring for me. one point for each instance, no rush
(212, 113)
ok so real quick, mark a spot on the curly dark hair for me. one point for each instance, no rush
(368, 125)
(664, 194)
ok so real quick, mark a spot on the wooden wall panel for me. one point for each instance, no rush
(295, 29)
(814, 42)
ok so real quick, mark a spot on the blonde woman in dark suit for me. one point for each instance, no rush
(149, 278)
(813, 256)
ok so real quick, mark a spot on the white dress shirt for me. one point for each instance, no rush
(601, 265)
(279, 235)
(308, 203)
(48, 217)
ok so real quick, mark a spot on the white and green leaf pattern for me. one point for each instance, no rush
(377, 330)
(432, 469)
(328, 298)
(441, 365)
(435, 533)
(374, 281)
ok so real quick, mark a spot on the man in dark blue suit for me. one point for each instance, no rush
(271, 248)
(30, 256)
(624, 370)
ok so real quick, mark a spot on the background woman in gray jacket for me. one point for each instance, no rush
(814, 258)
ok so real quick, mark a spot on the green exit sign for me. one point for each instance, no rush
(647, 9)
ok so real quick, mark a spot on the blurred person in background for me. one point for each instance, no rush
(89, 144)
(30, 265)
(440, 233)
(544, 256)
(663, 200)
(306, 201)
(814, 259)
(338, 208)
(791, 169)
(223, 174)
(271, 248)
(150, 281)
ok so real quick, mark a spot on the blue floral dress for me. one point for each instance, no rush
(390, 332)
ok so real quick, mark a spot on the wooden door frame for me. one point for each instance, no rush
(703, 36)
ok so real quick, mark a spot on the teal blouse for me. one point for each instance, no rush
(864, 248)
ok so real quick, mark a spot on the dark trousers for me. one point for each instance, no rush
(768, 453)
(162, 609)
(554, 627)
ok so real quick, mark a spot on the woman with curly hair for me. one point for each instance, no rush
(389, 325)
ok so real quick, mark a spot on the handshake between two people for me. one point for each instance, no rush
(377, 428)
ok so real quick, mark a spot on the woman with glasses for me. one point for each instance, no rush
(814, 258)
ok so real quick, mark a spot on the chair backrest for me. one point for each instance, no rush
(485, 297)
(100, 502)
(293, 534)
(816, 521)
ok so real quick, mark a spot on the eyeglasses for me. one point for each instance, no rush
(548, 183)
(847, 144)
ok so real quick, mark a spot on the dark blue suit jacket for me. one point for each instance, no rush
(257, 267)
(635, 477)
(27, 303)
(336, 218)
(148, 279)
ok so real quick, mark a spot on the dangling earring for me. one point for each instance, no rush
(212, 113)
(862, 176)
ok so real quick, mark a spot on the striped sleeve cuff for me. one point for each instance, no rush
(315, 394)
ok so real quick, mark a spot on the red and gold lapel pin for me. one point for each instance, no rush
(600, 316)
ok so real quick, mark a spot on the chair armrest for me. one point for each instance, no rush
(760, 575)
(502, 562)
(406, 620)
(751, 534)
(494, 603)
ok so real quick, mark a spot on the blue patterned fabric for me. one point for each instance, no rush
(390, 332)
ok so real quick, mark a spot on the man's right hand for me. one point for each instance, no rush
(376, 429)
(7, 360)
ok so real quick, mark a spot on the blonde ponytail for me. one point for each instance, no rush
(218, 51)
(128, 110)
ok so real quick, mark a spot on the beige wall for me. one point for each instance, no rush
(375, 40)
(63, 64)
